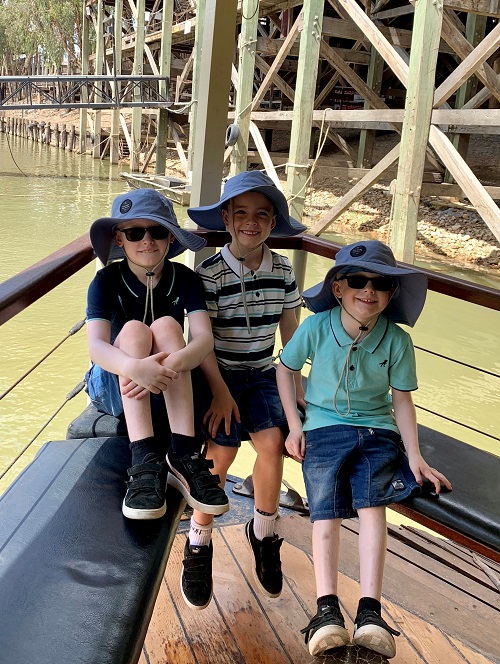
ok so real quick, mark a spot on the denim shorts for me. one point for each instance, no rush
(347, 468)
(103, 389)
(256, 394)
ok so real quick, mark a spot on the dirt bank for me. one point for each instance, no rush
(447, 231)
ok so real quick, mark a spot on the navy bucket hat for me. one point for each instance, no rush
(140, 204)
(210, 216)
(373, 256)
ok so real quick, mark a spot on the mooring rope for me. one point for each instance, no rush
(76, 390)
(76, 328)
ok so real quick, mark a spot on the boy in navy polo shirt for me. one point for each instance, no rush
(359, 415)
(250, 291)
(135, 319)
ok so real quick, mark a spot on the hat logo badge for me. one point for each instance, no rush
(125, 206)
(358, 251)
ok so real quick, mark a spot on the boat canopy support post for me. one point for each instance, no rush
(300, 139)
(138, 70)
(416, 125)
(195, 87)
(165, 59)
(246, 69)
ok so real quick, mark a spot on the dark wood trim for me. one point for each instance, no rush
(31, 284)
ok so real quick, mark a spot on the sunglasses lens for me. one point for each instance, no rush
(358, 281)
(137, 234)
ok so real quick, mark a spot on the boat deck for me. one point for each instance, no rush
(444, 603)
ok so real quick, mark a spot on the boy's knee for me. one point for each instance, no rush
(132, 333)
(222, 456)
(168, 328)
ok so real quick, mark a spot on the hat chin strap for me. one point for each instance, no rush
(150, 273)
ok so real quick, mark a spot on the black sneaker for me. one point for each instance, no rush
(145, 497)
(192, 477)
(196, 578)
(371, 631)
(267, 564)
(326, 631)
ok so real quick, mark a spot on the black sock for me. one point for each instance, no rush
(182, 445)
(327, 600)
(369, 604)
(140, 448)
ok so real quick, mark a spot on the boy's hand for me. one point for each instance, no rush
(148, 374)
(222, 408)
(296, 444)
(420, 467)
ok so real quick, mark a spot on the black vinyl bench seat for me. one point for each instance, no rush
(78, 581)
(469, 515)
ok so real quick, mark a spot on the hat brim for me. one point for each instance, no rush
(102, 238)
(405, 306)
(210, 216)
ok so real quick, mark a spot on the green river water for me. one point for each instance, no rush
(49, 197)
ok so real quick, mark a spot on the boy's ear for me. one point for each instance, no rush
(225, 217)
(118, 239)
(336, 290)
(273, 222)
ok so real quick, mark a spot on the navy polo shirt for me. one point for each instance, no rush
(384, 359)
(116, 295)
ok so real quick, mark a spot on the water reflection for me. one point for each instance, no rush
(54, 202)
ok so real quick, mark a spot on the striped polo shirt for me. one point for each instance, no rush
(268, 290)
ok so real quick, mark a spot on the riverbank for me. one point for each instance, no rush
(448, 230)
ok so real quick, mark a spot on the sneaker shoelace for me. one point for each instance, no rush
(369, 617)
(325, 613)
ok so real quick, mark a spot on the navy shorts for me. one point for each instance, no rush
(347, 468)
(257, 397)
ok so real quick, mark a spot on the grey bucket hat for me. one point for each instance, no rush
(210, 216)
(140, 204)
(373, 256)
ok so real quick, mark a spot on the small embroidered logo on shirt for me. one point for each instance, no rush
(398, 485)
(383, 364)
(176, 301)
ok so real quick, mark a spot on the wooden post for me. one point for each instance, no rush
(64, 137)
(99, 61)
(307, 71)
(71, 139)
(475, 30)
(244, 93)
(165, 60)
(367, 136)
(193, 111)
(85, 70)
(57, 136)
(114, 144)
(138, 70)
(416, 125)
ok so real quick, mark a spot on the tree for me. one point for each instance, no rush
(51, 28)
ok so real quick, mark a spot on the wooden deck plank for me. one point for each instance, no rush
(470, 655)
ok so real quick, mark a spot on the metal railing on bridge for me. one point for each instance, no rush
(97, 92)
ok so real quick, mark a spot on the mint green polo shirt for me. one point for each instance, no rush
(385, 358)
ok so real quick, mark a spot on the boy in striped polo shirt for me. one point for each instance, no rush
(250, 290)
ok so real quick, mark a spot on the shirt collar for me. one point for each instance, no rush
(370, 343)
(265, 266)
(134, 285)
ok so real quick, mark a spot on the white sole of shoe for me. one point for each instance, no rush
(375, 638)
(143, 515)
(174, 481)
(194, 606)
(254, 568)
(328, 638)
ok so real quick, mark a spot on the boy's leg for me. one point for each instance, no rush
(370, 629)
(145, 497)
(189, 471)
(196, 578)
(327, 629)
(263, 542)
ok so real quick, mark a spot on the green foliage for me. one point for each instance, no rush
(49, 27)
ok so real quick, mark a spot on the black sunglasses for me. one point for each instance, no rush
(137, 233)
(358, 281)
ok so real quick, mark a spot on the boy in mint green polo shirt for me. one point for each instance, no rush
(358, 443)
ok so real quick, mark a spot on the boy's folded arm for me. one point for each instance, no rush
(201, 343)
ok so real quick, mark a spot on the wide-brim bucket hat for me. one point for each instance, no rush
(373, 256)
(140, 204)
(210, 216)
